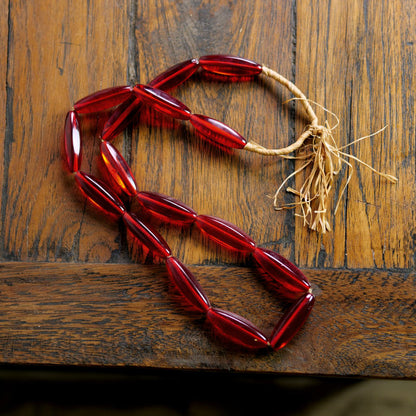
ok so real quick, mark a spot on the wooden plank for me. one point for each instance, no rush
(6, 97)
(50, 66)
(168, 157)
(124, 315)
(354, 59)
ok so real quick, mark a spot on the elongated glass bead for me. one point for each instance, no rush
(186, 283)
(217, 132)
(225, 233)
(291, 322)
(118, 168)
(163, 102)
(121, 118)
(236, 329)
(283, 272)
(72, 141)
(103, 100)
(100, 194)
(229, 65)
(147, 235)
(175, 75)
(166, 208)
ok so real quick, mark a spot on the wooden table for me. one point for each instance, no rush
(73, 291)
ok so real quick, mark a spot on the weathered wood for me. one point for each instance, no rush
(106, 314)
(354, 58)
(71, 294)
(5, 111)
(174, 160)
(54, 58)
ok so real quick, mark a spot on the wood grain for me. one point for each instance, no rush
(171, 160)
(5, 103)
(125, 315)
(49, 67)
(354, 59)
(69, 289)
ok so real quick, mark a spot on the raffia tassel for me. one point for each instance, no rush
(321, 161)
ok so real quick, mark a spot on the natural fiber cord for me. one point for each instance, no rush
(321, 160)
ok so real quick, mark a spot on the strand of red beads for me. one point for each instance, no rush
(289, 280)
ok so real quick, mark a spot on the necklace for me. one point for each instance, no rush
(289, 281)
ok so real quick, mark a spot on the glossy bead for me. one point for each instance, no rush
(163, 102)
(121, 118)
(103, 100)
(72, 141)
(147, 236)
(283, 272)
(175, 75)
(186, 283)
(291, 322)
(229, 65)
(225, 233)
(100, 194)
(217, 132)
(236, 329)
(118, 168)
(167, 208)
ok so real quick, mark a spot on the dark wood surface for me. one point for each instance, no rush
(74, 292)
(125, 315)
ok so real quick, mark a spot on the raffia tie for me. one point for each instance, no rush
(321, 161)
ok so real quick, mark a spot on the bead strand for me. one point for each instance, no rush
(124, 114)
(131, 99)
(291, 283)
(313, 195)
(171, 210)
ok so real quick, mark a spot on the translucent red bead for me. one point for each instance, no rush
(175, 75)
(291, 280)
(163, 102)
(229, 65)
(147, 235)
(166, 208)
(121, 118)
(100, 194)
(291, 322)
(72, 141)
(225, 233)
(217, 132)
(236, 329)
(103, 100)
(288, 280)
(118, 168)
(186, 283)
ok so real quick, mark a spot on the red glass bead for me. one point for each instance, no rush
(121, 118)
(72, 139)
(175, 75)
(292, 281)
(147, 236)
(103, 100)
(187, 284)
(118, 168)
(225, 233)
(217, 132)
(99, 194)
(167, 208)
(230, 65)
(236, 329)
(163, 102)
(291, 322)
